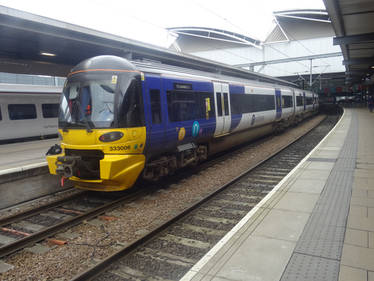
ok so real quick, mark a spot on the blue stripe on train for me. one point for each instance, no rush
(236, 89)
(235, 120)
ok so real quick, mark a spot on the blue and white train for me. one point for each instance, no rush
(119, 119)
(28, 111)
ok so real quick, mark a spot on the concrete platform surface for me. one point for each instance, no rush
(16, 156)
(318, 222)
(23, 154)
(24, 174)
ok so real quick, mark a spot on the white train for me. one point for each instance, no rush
(28, 111)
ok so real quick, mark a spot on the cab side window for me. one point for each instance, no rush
(131, 112)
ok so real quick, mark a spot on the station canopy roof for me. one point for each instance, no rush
(195, 39)
(299, 25)
(353, 22)
(32, 44)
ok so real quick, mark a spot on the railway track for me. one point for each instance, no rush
(169, 251)
(24, 229)
(27, 228)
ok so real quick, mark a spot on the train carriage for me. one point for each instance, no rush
(121, 120)
(28, 111)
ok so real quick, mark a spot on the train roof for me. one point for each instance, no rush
(23, 88)
(169, 70)
(118, 64)
(105, 62)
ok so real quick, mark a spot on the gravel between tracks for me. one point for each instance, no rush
(7, 212)
(101, 238)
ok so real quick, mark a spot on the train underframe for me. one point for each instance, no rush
(192, 154)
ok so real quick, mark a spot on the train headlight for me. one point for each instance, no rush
(112, 136)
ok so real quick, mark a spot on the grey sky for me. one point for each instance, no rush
(146, 20)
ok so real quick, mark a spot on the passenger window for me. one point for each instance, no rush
(299, 100)
(189, 105)
(50, 110)
(182, 106)
(245, 103)
(286, 101)
(155, 106)
(21, 111)
(226, 103)
(219, 104)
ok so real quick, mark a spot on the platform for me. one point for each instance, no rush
(318, 222)
(23, 155)
(24, 172)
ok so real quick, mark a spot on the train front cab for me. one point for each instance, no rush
(102, 126)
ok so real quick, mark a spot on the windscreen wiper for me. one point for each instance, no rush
(64, 127)
(88, 128)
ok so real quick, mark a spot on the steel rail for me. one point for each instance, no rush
(32, 212)
(47, 232)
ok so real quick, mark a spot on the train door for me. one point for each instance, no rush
(156, 119)
(223, 110)
(278, 104)
(304, 101)
(294, 102)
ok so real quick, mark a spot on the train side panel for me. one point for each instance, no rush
(28, 115)
(177, 112)
(287, 104)
(190, 111)
(260, 107)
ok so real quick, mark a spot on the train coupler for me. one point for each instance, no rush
(66, 165)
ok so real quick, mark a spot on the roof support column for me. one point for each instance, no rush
(311, 73)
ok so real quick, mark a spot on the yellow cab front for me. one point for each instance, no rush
(101, 125)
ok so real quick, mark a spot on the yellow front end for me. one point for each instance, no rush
(123, 160)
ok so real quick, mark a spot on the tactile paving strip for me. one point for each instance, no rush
(316, 159)
(309, 268)
(317, 253)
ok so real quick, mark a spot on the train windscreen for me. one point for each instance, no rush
(88, 104)
(102, 101)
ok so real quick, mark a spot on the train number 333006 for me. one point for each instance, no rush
(119, 147)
